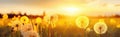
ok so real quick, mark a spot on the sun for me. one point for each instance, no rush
(71, 10)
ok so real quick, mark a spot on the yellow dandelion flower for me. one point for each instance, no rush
(38, 20)
(5, 16)
(112, 21)
(118, 26)
(24, 19)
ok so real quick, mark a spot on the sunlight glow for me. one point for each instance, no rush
(72, 10)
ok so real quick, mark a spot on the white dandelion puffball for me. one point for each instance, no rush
(54, 18)
(16, 22)
(27, 27)
(51, 18)
(46, 18)
(30, 34)
(100, 28)
(82, 21)
(27, 31)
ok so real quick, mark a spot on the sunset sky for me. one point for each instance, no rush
(86, 7)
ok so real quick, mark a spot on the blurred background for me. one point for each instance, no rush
(62, 18)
